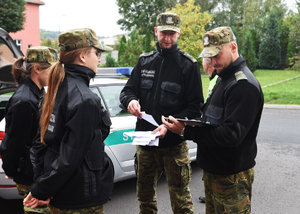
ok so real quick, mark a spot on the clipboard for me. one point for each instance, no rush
(194, 122)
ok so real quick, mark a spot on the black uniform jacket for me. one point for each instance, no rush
(72, 168)
(22, 121)
(165, 82)
(235, 107)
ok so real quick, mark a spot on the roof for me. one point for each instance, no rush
(35, 2)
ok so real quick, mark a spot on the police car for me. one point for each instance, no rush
(118, 146)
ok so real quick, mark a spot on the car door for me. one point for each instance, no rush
(122, 121)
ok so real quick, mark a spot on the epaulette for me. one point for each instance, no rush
(188, 56)
(147, 54)
(240, 76)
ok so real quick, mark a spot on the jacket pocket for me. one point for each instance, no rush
(214, 115)
(169, 94)
(146, 85)
(94, 157)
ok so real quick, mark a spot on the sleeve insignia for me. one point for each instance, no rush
(240, 76)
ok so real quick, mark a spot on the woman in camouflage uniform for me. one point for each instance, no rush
(22, 117)
(73, 171)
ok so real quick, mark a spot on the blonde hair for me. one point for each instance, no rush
(55, 77)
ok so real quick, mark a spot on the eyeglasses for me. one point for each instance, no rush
(98, 54)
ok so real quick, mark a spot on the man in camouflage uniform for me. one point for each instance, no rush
(227, 150)
(164, 82)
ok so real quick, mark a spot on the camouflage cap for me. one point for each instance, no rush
(80, 38)
(214, 40)
(168, 21)
(41, 54)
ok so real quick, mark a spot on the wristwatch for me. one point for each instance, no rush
(182, 133)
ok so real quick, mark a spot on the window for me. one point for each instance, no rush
(19, 43)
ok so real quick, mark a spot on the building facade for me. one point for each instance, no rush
(30, 36)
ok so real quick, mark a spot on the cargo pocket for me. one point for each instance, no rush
(181, 156)
(169, 94)
(214, 115)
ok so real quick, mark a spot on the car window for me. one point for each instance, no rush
(111, 95)
(96, 91)
(6, 55)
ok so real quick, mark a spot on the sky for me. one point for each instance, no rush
(99, 15)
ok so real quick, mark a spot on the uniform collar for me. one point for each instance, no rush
(33, 87)
(233, 67)
(167, 52)
(79, 71)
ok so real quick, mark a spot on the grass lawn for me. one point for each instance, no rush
(282, 93)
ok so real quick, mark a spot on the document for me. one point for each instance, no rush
(149, 118)
(144, 138)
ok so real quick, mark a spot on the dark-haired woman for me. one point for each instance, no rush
(76, 175)
(22, 116)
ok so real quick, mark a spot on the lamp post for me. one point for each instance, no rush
(59, 22)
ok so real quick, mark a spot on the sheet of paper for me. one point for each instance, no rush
(149, 118)
(144, 138)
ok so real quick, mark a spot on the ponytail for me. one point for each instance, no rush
(55, 77)
(18, 70)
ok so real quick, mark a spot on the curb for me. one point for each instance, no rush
(290, 107)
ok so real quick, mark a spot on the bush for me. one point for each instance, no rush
(110, 61)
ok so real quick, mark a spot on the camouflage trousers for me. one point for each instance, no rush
(90, 210)
(175, 163)
(228, 194)
(24, 190)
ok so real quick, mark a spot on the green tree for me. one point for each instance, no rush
(140, 14)
(133, 49)
(293, 52)
(110, 61)
(12, 17)
(52, 43)
(193, 23)
(147, 42)
(269, 49)
(249, 53)
(121, 51)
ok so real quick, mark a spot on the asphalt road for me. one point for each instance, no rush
(276, 188)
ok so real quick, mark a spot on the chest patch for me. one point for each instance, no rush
(146, 73)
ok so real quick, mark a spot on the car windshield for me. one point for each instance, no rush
(111, 95)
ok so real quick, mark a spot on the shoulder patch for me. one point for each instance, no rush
(188, 56)
(147, 54)
(240, 76)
